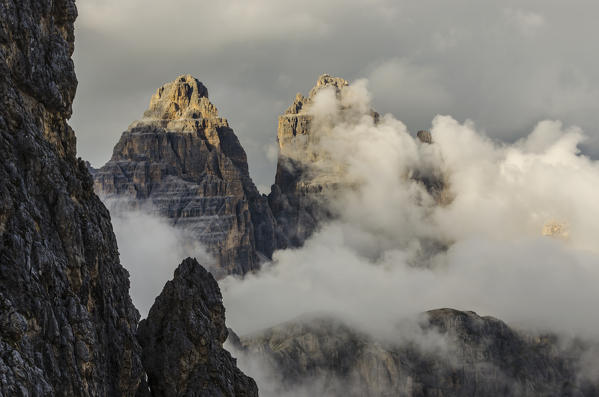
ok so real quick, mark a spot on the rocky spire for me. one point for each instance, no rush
(185, 160)
(296, 198)
(446, 353)
(424, 136)
(183, 338)
(186, 97)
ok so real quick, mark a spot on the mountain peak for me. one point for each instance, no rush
(184, 98)
(326, 80)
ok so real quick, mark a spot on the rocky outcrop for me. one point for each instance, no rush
(299, 196)
(451, 353)
(430, 176)
(67, 324)
(183, 338)
(185, 162)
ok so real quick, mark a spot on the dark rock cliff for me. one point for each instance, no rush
(183, 338)
(67, 324)
(451, 353)
(185, 160)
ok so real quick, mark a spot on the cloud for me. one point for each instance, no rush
(375, 265)
(395, 251)
(150, 249)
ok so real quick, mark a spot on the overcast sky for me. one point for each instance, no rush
(503, 64)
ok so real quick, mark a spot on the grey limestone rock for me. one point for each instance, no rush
(475, 356)
(296, 199)
(67, 324)
(185, 160)
(183, 338)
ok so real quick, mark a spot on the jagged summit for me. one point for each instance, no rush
(324, 81)
(181, 105)
(183, 338)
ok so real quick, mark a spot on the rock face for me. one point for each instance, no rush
(184, 160)
(480, 356)
(67, 324)
(297, 198)
(183, 338)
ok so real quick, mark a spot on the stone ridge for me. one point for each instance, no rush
(183, 338)
(67, 324)
(476, 356)
(299, 104)
(188, 164)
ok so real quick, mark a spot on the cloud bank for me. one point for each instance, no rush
(150, 249)
(395, 251)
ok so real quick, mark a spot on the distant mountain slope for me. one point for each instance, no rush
(451, 353)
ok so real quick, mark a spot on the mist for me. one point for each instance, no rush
(395, 250)
(151, 249)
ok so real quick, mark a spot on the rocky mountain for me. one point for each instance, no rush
(185, 162)
(67, 324)
(298, 198)
(451, 353)
(183, 338)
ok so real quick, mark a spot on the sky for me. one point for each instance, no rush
(505, 65)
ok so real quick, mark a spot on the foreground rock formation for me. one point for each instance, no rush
(183, 338)
(185, 162)
(67, 324)
(452, 353)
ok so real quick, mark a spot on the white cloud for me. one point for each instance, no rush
(151, 249)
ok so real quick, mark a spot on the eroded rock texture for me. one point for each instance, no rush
(298, 198)
(186, 162)
(308, 181)
(451, 353)
(67, 324)
(183, 338)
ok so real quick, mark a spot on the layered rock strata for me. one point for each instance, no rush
(67, 324)
(185, 162)
(452, 353)
(183, 338)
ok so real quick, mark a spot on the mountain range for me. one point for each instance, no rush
(68, 326)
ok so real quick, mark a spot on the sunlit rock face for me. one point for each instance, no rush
(447, 353)
(67, 324)
(298, 198)
(184, 161)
